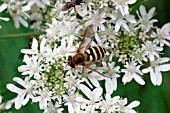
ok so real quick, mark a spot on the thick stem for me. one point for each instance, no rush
(10, 36)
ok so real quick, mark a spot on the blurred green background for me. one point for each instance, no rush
(154, 99)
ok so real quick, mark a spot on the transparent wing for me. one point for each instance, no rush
(87, 39)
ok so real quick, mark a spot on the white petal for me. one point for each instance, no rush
(109, 86)
(165, 67)
(23, 68)
(94, 81)
(70, 41)
(131, 1)
(166, 28)
(158, 77)
(28, 51)
(13, 88)
(27, 60)
(18, 101)
(134, 104)
(19, 81)
(126, 78)
(23, 22)
(139, 80)
(70, 108)
(118, 24)
(25, 100)
(102, 27)
(89, 23)
(26, 8)
(9, 103)
(131, 19)
(77, 29)
(166, 42)
(163, 60)
(3, 7)
(125, 26)
(40, 4)
(153, 77)
(42, 45)
(97, 92)
(142, 10)
(151, 12)
(114, 83)
(146, 70)
(85, 90)
(4, 18)
(108, 97)
(81, 10)
(34, 44)
(81, 99)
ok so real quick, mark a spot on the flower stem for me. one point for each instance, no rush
(10, 36)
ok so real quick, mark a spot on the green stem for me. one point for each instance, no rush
(10, 36)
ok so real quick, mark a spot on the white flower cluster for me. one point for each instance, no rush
(135, 43)
(21, 10)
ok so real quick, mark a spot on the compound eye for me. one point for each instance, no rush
(69, 58)
(72, 65)
(68, 63)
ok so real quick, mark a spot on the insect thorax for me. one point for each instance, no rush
(78, 58)
(78, 1)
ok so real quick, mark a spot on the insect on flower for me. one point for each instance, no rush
(88, 56)
(73, 3)
(30, 42)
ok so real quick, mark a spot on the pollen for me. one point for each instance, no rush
(160, 36)
(120, 1)
(97, 17)
(108, 106)
(63, 51)
(72, 98)
(53, 110)
(71, 82)
(34, 69)
(28, 90)
(84, 74)
(131, 69)
(52, 56)
(44, 94)
(122, 108)
(149, 48)
(92, 101)
(153, 64)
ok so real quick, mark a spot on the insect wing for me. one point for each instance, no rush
(87, 39)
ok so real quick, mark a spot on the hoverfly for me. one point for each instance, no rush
(88, 56)
(30, 42)
(73, 3)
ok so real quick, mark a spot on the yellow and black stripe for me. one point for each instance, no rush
(95, 53)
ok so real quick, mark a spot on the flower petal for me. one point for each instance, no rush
(19, 81)
(14, 89)
(97, 93)
(19, 100)
(158, 75)
(165, 67)
(85, 90)
(109, 86)
(134, 104)
(139, 80)
(153, 77)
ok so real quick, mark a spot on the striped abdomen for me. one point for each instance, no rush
(95, 53)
